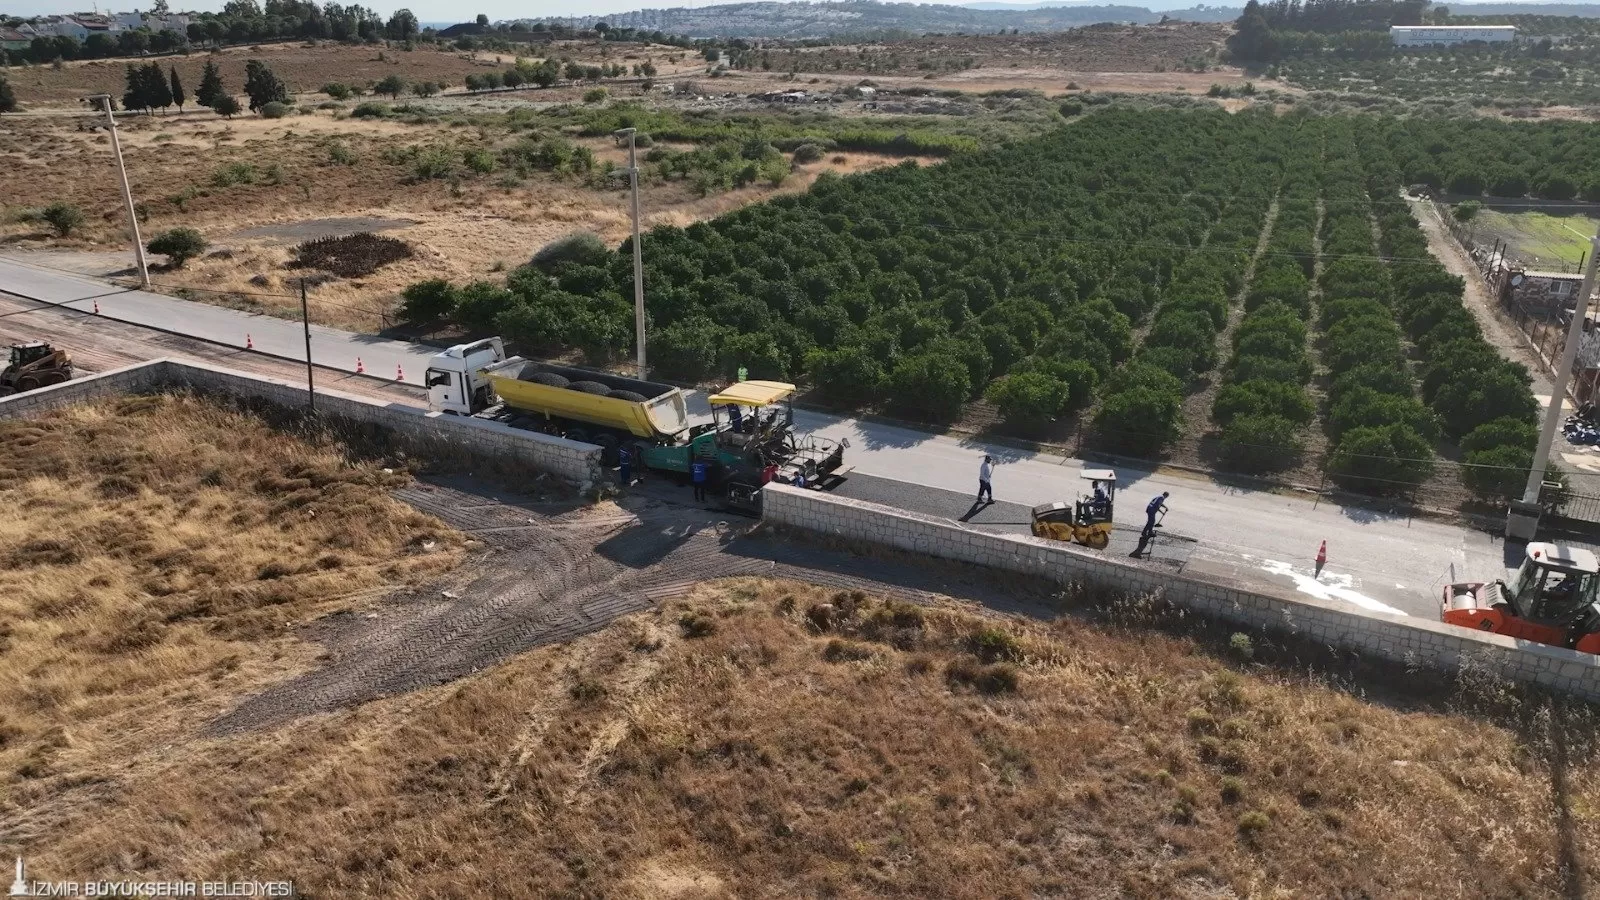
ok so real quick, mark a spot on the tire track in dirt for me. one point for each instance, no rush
(563, 573)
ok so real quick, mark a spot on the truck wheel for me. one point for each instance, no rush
(550, 379)
(629, 396)
(55, 378)
(589, 387)
(608, 449)
(27, 383)
(577, 434)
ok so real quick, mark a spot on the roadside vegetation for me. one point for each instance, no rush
(760, 737)
(157, 552)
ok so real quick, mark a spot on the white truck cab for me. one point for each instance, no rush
(453, 380)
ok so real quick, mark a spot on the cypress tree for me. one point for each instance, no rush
(132, 95)
(153, 83)
(262, 86)
(210, 86)
(177, 88)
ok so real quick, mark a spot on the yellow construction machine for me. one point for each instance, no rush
(33, 365)
(1088, 519)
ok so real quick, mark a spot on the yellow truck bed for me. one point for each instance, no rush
(660, 417)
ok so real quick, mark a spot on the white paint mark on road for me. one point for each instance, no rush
(1332, 586)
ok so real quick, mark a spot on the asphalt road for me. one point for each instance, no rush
(1389, 562)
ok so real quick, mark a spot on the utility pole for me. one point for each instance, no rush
(1522, 522)
(127, 192)
(638, 251)
(305, 322)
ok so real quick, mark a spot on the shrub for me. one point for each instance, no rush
(337, 90)
(686, 350)
(341, 154)
(393, 85)
(179, 245)
(426, 88)
(808, 153)
(434, 162)
(63, 217)
(697, 625)
(479, 160)
(1502, 432)
(1259, 397)
(1030, 399)
(1497, 474)
(596, 95)
(999, 678)
(226, 106)
(1140, 420)
(1467, 210)
(371, 110)
(274, 110)
(1260, 442)
(1071, 108)
(1254, 821)
(849, 375)
(580, 247)
(930, 385)
(1386, 459)
(427, 301)
(233, 173)
(1474, 398)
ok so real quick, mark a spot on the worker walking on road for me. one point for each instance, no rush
(985, 472)
(698, 473)
(624, 467)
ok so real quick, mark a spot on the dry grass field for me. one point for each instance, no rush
(305, 68)
(760, 738)
(465, 227)
(153, 553)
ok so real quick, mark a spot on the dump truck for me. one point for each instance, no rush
(749, 441)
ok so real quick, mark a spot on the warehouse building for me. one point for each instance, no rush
(1449, 35)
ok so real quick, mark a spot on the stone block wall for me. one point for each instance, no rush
(427, 432)
(1400, 639)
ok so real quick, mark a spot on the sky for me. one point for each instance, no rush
(446, 11)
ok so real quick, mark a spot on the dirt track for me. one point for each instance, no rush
(551, 572)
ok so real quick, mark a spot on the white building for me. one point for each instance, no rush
(1448, 35)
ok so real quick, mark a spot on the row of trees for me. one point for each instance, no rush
(148, 88)
(1382, 437)
(1482, 401)
(1552, 160)
(546, 73)
(1009, 261)
(1140, 411)
(1263, 407)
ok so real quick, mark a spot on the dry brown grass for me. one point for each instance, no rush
(153, 554)
(745, 741)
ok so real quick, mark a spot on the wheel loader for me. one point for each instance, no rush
(33, 365)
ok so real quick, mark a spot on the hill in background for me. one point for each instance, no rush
(858, 17)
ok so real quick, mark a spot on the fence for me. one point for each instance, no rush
(1499, 253)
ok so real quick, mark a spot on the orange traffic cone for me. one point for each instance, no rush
(1322, 558)
(360, 369)
(399, 373)
(248, 343)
